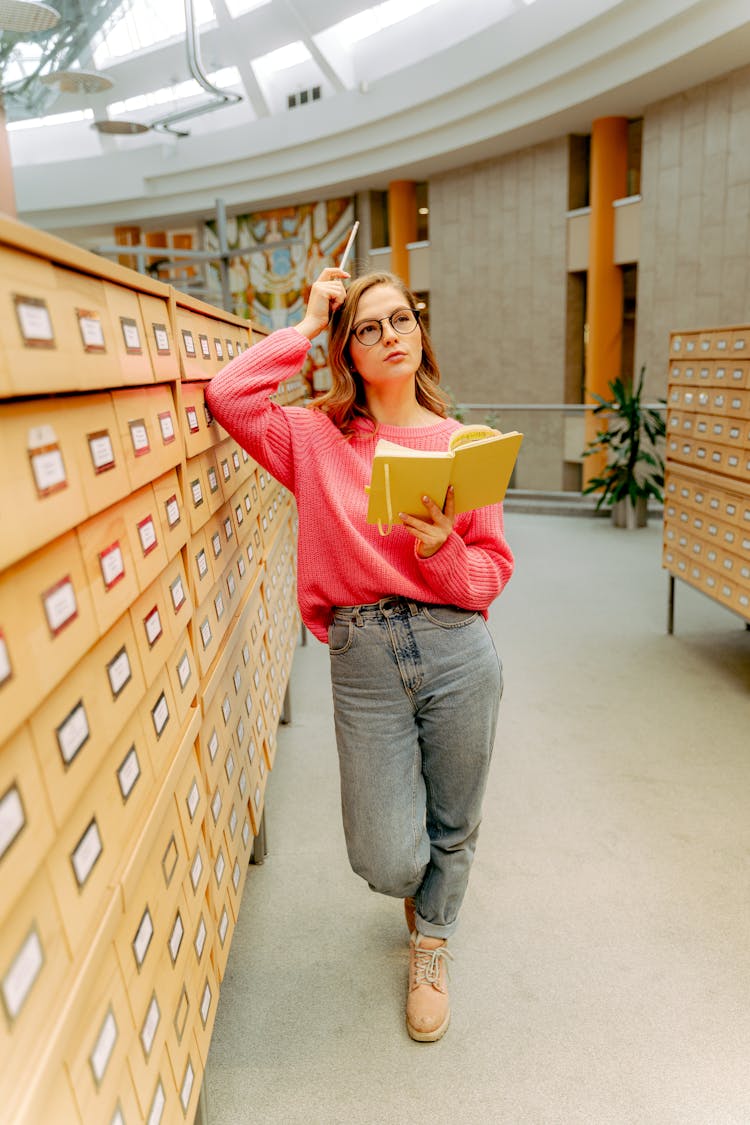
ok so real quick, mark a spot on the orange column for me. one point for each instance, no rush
(608, 181)
(7, 192)
(127, 236)
(183, 242)
(402, 224)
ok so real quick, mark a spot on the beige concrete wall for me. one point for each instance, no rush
(694, 269)
(497, 292)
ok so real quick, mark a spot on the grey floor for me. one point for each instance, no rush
(602, 965)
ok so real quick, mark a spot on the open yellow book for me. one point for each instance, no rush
(478, 463)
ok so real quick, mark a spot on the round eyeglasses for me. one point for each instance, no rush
(369, 332)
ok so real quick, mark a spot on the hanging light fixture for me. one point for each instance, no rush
(27, 16)
(114, 127)
(77, 81)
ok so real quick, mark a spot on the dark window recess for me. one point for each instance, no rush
(302, 97)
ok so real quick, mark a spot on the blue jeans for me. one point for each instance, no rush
(416, 691)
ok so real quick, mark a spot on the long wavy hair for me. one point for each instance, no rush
(346, 400)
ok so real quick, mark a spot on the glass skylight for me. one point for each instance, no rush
(142, 23)
(290, 55)
(241, 7)
(229, 76)
(52, 119)
(375, 19)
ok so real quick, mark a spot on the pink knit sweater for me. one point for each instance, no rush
(343, 560)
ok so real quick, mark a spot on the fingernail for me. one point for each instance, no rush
(425, 499)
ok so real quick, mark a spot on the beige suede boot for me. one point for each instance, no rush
(428, 1009)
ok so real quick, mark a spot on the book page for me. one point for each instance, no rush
(482, 470)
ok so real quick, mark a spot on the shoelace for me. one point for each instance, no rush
(427, 964)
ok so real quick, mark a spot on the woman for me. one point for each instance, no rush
(416, 679)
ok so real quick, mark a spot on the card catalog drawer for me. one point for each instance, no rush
(225, 922)
(41, 493)
(147, 1046)
(109, 564)
(40, 342)
(170, 505)
(214, 493)
(46, 625)
(150, 437)
(91, 423)
(207, 1003)
(196, 493)
(200, 430)
(161, 722)
(26, 826)
(153, 628)
(145, 535)
(190, 797)
(183, 677)
(201, 565)
(99, 1042)
(129, 335)
(177, 595)
(34, 966)
(195, 353)
(155, 315)
(76, 723)
(86, 311)
(139, 941)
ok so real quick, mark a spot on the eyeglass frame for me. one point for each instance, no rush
(416, 313)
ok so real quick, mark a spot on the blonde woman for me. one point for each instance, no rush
(416, 679)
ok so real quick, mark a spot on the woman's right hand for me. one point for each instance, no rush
(327, 294)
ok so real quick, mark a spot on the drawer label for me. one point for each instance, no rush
(213, 745)
(22, 974)
(178, 594)
(219, 605)
(213, 480)
(189, 342)
(92, 332)
(206, 999)
(142, 939)
(160, 715)
(196, 870)
(119, 671)
(139, 437)
(219, 867)
(131, 336)
(223, 926)
(216, 544)
(205, 346)
(47, 463)
(202, 563)
(147, 535)
(112, 565)
(34, 322)
(169, 860)
(187, 1086)
(231, 584)
(184, 671)
(161, 339)
(219, 348)
(73, 733)
(157, 1105)
(172, 509)
(200, 938)
(60, 606)
(181, 1014)
(216, 805)
(193, 800)
(86, 853)
(12, 818)
(206, 635)
(233, 822)
(192, 419)
(196, 492)
(103, 1047)
(236, 875)
(102, 453)
(166, 425)
(175, 938)
(128, 772)
(241, 568)
(152, 625)
(6, 671)
(150, 1026)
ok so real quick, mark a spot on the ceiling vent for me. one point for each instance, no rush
(302, 97)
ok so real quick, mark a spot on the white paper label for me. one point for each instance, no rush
(187, 1086)
(231, 585)
(236, 875)
(226, 708)
(206, 1003)
(243, 783)
(129, 772)
(184, 671)
(119, 672)
(245, 833)
(193, 800)
(35, 321)
(139, 437)
(23, 972)
(197, 492)
(175, 938)
(72, 733)
(150, 1025)
(142, 939)
(86, 853)
(219, 348)
(178, 593)
(229, 766)
(206, 634)
(112, 565)
(153, 626)
(233, 822)
(225, 469)
(12, 818)
(251, 750)
(189, 342)
(213, 745)
(49, 470)
(105, 1043)
(147, 534)
(166, 424)
(236, 461)
(216, 805)
(219, 867)
(219, 605)
(200, 938)
(202, 563)
(60, 605)
(130, 334)
(91, 331)
(213, 480)
(205, 347)
(192, 419)
(102, 453)
(196, 870)
(160, 715)
(240, 733)
(157, 1105)
(216, 544)
(162, 338)
(117, 1118)
(173, 511)
(223, 925)
(5, 668)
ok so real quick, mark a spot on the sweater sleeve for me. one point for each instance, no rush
(474, 563)
(239, 399)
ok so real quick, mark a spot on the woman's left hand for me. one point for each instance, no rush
(432, 532)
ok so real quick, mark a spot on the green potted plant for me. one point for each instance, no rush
(632, 443)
